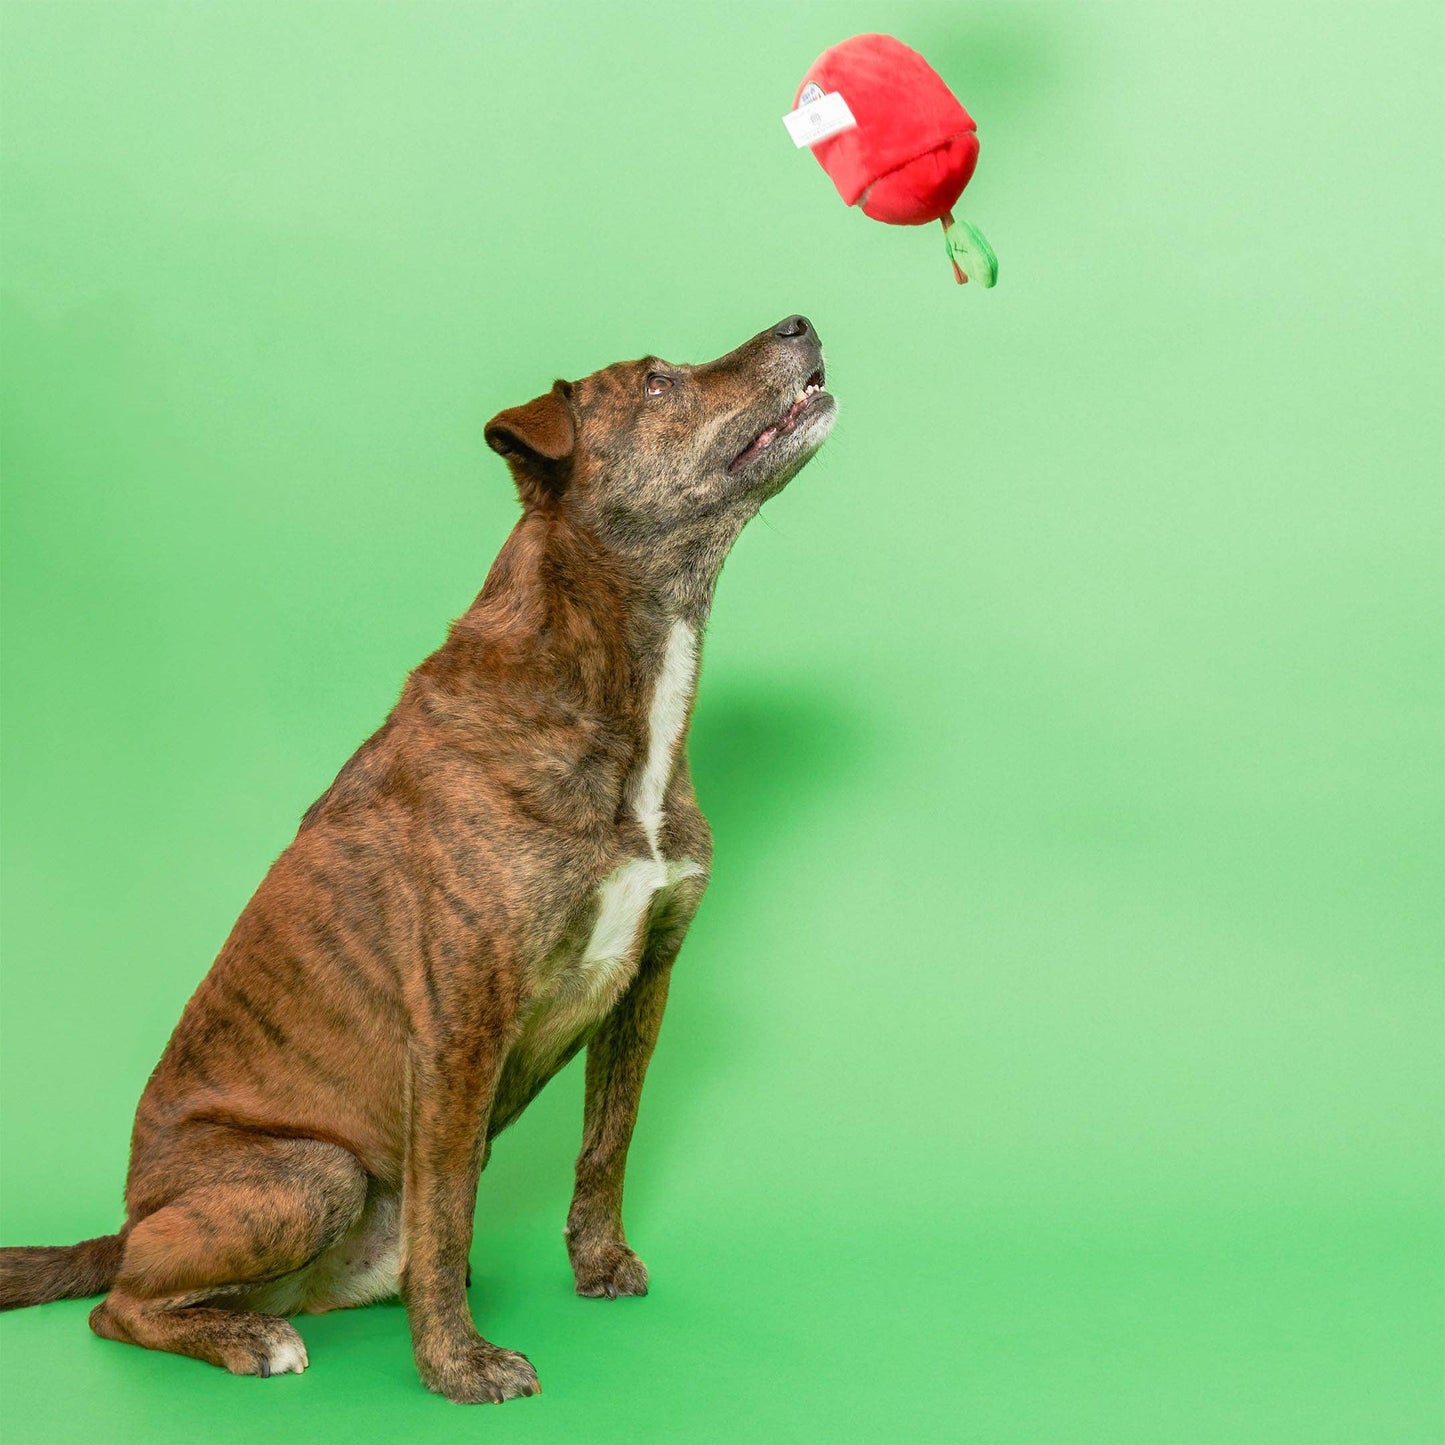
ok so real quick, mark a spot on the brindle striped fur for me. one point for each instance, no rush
(313, 1135)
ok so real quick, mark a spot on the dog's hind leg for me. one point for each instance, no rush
(253, 1209)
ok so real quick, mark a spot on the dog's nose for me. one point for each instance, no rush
(794, 326)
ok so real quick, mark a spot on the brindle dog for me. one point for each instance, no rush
(503, 873)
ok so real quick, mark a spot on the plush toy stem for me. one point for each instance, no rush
(970, 253)
(946, 222)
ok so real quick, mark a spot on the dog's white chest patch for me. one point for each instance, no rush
(671, 698)
(627, 893)
(589, 984)
(623, 900)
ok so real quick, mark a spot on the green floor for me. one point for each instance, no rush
(1057, 1056)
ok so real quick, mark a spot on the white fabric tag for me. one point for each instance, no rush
(819, 116)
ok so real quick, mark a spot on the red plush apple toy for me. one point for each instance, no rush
(895, 141)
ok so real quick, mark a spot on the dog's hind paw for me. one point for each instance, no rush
(285, 1357)
(263, 1345)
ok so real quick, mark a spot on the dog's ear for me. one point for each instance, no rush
(537, 440)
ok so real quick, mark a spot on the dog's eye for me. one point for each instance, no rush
(657, 383)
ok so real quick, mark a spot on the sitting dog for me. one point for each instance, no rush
(503, 873)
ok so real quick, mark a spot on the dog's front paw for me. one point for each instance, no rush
(608, 1270)
(475, 1372)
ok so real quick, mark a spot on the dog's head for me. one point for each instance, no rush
(645, 452)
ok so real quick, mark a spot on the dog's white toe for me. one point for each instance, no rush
(287, 1357)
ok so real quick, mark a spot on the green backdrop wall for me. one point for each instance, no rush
(1057, 1056)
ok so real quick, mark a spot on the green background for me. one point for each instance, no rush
(1057, 1056)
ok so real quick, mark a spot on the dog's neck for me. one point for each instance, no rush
(592, 623)
(675, 565)
(598, 657)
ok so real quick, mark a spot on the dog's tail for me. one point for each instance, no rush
(36, 1275)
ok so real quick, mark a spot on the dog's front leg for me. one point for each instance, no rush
(458, 1044)
(617, 1057)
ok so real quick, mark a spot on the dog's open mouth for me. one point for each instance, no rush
(786, 423)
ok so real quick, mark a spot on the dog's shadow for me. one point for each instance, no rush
(766, 757)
